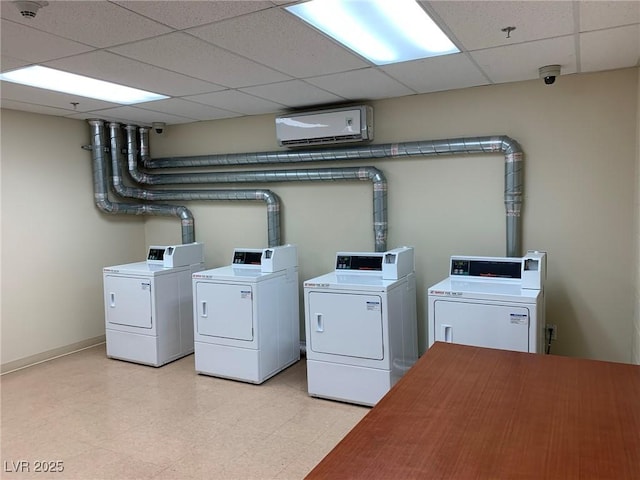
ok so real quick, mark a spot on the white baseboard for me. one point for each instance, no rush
(50, 354)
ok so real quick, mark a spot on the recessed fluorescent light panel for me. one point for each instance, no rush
(382, 31)
(50, 79)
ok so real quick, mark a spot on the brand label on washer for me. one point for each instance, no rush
(245, 294)
(373, 306)
(145, 286)
(446, 293)
(519, 319)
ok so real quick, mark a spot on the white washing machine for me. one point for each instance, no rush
(361, 326)
(246, 315)
(148, 305)
(494, 302)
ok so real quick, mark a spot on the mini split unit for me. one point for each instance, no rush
(326, 127)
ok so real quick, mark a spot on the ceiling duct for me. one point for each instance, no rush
(101, 196)
(513, 165)
(271, 199)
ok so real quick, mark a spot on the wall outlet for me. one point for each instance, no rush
(554, 331)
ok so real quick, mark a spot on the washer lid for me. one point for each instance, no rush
(142, 268)
(231, 273)
(346, 281)
(485, 289)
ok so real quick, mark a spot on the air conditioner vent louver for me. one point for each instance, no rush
(326, 127)
(323, 140)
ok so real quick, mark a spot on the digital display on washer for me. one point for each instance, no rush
(247, 258)
(486, 268)
(156, 254)
(359, 262)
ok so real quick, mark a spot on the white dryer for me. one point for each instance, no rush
(246, 315)
(148, 305)
(361, 326)
(493, 302)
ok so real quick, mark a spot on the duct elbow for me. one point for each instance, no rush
(139, 177)
(379, 179)
(510, 146)
(270, 198)
(187, 224)
(185, 215)
(374, 175)
(104, 205)
(119, 187)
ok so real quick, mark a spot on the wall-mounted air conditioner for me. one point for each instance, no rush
(326, 127)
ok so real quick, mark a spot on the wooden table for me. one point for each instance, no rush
(467, 412)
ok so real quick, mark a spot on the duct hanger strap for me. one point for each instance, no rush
(513, 157)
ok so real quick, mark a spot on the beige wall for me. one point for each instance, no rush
(581, 205)
(54, 240)
(579, 138)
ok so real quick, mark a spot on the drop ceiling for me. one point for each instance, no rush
(224, 59)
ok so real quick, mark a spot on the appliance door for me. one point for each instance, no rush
(224, 310)
(346, 324)
(128, 301)
(505, 327)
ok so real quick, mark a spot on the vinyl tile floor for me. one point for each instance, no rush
(85, 416)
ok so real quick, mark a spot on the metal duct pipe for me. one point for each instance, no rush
(423, 148)
(101, 196)
(267, 196)
(380, 224)
(513, 180)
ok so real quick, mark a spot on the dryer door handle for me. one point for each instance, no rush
(447, 331)
(203, 311)
(112, 299)
(319, 323)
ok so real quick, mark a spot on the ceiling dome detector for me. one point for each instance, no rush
(29, 8)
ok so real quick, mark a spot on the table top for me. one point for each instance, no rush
(467, 412)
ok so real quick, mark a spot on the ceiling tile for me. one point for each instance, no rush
(102, 116)
(446, 72)
(22, 93)
(367, 83)
(278, 39)
(281, 63)
(294, 93)
(9, 63)
(596, 55)
(185, 14)
(114, 68)
(185, 108)
(129, 114)
(519, 62)
(478, 24)
(97, 23)
(599, 15)
(180, 52)
(30, 107)
(28, 44)
(237, 102)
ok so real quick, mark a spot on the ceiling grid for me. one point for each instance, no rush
(224, 59)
